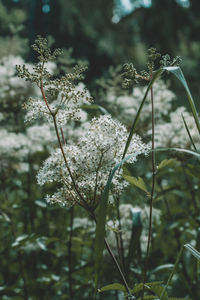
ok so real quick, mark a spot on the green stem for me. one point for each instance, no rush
(152, 193)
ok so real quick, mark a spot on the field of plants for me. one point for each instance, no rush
(99, 154)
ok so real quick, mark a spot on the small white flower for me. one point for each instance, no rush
(91, 162)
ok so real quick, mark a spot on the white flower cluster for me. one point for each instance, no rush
(16, 148)
(170, 130)
(125, 107)
(12, 149)
(174, 134)
(90, 162)
(40, 137)
(13, 90)
(66, 103)
(12, 143)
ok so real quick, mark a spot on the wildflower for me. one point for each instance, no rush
(90, 163)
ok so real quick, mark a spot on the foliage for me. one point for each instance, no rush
(53, 251)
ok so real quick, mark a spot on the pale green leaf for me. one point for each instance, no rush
(165, 162)
(138, 182)
(113, 287)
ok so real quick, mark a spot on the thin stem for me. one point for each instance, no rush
(118, 267)
(70, 252)
(115, 261)
(44, 97)
(152, 192)
(63, 137)
(65, 159)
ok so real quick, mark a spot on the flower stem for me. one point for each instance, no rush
(153, 162)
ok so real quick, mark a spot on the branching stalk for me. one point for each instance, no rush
(85, 205)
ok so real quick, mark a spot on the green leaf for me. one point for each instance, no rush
(126, 171)
(138, 287)
(158, 290)
(179, 74)
(113, 287)
(165, 163)
(163, 267)
(193, 251)
(139, 182)
(156, 75)
(95, 107)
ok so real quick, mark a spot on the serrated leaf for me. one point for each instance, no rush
(165, 163)
(138, 182)
(137, 288)
(193, 251)
(113, 287)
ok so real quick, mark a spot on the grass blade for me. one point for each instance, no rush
(188, 131)
(197, 155)
(172, 273)
(193, 251)
(179, 74)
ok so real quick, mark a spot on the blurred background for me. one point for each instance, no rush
(106, 32)
(46, 251)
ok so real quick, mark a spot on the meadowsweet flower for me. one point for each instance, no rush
(40, 137)
(13, 90)
(174, 134)
(125, 107)
(60, 97)
(64, 101)
(90, 162)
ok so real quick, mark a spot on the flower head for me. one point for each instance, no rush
(90, 162)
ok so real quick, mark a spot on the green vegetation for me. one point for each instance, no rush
(99, 162)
